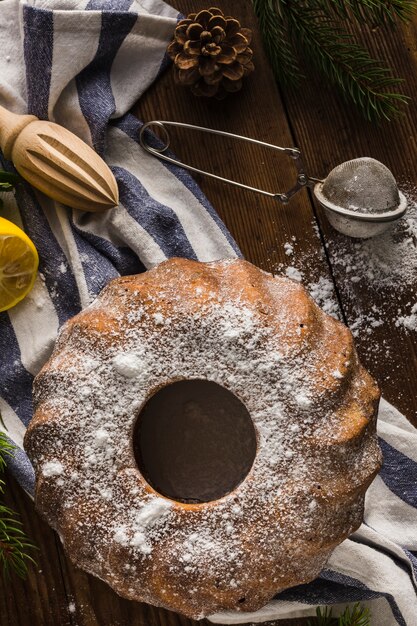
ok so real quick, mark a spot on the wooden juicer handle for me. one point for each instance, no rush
(57, 162)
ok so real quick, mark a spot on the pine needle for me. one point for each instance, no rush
(324, 617)
(6, 447)
(14, 545)
(348, 65)
(8, 180)
(355, 616)
(282, 54)
(314, 29)
(359, 616)
(382, 12)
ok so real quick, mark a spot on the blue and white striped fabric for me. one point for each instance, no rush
(84, 68)
(83, 64)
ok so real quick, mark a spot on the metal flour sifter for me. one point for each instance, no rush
(360, 197)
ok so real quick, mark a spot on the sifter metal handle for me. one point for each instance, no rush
(302, 179)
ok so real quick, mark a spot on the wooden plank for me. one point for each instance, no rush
(42, 598)
(388, 350)
(260, 225)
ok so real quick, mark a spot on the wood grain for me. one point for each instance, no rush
(42, 598)
(387, 351)
(57, 162)
(329, 132)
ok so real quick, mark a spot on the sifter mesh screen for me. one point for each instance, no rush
(363, 185)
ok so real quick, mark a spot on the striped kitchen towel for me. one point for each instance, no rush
(83, 64)
(84, 68)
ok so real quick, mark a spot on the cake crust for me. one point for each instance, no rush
(312, 404)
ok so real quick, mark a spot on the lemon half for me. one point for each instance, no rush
(18, 264)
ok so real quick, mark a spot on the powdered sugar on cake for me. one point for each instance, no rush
(52, 468)
(295, 370)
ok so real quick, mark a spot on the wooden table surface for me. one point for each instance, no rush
(328, 132)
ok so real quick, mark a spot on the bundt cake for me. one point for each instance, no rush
(203, 437)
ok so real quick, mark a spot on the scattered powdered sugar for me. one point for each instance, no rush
(150, 515)
(382, 269)
(289, 249)
(385, 261)
(141, 542)
(152, 512)
(102, 436)
(409, 321)
(294, 273)
(127, 364)
(365, 323)
(158, 319)
(324, 295)
(282, 360)
(52, 468)
(302, 400)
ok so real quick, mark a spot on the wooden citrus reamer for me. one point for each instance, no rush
(57, 162)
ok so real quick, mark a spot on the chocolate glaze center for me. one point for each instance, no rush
(194, 441)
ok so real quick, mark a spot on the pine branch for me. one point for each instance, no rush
(346, 64)
(282, 53)
(14, 546)
(8, 180)
(6, 449)
(375, 12)
(314, 29)
(324, 617)
(357, 616)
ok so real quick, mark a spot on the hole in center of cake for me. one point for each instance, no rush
(194, 441)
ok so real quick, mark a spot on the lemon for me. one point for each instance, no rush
(18, 264)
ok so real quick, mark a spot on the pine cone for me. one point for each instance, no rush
(211, 53)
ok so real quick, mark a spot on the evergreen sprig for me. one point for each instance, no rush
(277, 42)
(315, 30)
(355, 616)
(371, 11)
(14, 545)
(8, 182)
